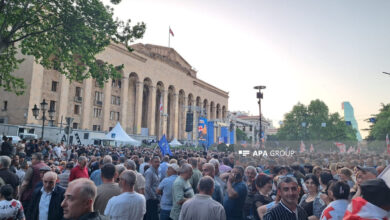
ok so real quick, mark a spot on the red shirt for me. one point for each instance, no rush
(78, 172)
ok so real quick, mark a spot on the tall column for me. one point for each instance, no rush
(165, 111)
(152, 109)
(124, 102)
(195, 122)
(138, 107)
(176, 119)
(107, 105)
(87, 105)
(64, 99)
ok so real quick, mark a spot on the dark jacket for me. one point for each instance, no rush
(55, 210)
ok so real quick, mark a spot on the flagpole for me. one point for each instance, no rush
(169, 37)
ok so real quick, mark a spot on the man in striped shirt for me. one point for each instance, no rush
(288, 208)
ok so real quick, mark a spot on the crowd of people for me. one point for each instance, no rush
(43, 180)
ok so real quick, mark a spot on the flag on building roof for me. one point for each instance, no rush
(171, 32)
(302, 147)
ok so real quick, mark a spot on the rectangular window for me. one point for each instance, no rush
(96, 127)
(113, 98)
(78, 92)
(97, 112)
(75, 125)
(112, 115)
(5, 106)
(76, 109)
(119, 83)
(117, 116)
(54, 86)
(99, 96)
(118, 100)
(2, 120)
(86, 136)
(113, 83)
(52, 105)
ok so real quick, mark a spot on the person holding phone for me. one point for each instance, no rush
(236, 194)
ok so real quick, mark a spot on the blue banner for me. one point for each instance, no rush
(224, 134)
(231, 137)
(210, 133)
(202, 131)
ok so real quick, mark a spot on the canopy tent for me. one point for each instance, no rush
(175, 143)
(120, 136)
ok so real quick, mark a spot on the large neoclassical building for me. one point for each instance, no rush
(152, 75)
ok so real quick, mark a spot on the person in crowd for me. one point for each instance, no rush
(165, 188)
(325, 179)
(119, 169)
(78, 202)
(225, 167)
(129, 204)
(196, 174)
(80, 170)
(333, 169)
(139, 186)
(209, 170)
(263, 184)
(6, 147)
(64, 177)
(142, 166)
(46, 201)
(151, 184)
(108, 189)
(345, 175)
(236, 194)
(202, 206)
(162, 169)
(308, 168)
(363, 174)
(31, 179)
(311, 202)
(96, 175)
(374, 202)
(339, 193)
(217, 177)
(250, 175)
(288, 207)
(317, 171)
(11, 209)
(181, 190)
(8, 176)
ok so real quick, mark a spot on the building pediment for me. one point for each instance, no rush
(166, 55)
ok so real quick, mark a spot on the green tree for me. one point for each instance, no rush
(305, 123)
(381, 127)
(64, 35)
(241, 135)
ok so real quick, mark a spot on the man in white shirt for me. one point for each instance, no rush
(129, 204)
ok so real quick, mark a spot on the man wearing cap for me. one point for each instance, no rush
(363, 174)
(165, 188)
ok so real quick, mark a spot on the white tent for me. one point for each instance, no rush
(175, 143)
(120, 136)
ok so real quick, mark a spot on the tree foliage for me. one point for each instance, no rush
(305, 123)
(241, 135)
(381, 127)
(64, 35)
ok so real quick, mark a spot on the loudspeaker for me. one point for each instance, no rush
(189, 121)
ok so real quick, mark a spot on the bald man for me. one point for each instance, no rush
(46, 201)
(79, 198)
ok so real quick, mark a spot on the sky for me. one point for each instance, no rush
(301, 50)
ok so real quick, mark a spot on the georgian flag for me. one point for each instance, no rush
(161, 105)
(351, 150)
(335, 210)
(360, 209)
(341, 147)
(311, 148)
(302, 147)
(171, 32)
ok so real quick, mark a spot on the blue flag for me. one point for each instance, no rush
(164, 146)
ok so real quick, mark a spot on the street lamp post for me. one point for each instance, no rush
(51, 112)
(259, 95)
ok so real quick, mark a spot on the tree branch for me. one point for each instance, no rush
(35, 33)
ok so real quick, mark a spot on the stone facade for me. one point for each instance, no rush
(152, 75)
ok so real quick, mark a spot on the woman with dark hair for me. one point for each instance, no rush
(325, 179)
(311, 202)
(338, 192)
(262, 197)
(10, 209)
